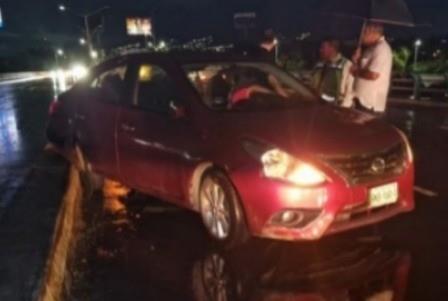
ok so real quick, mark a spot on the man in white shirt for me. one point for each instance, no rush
(372, 70)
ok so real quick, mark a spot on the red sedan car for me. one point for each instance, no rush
(241, 142)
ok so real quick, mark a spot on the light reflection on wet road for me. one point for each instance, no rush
(10, 141)
(23, 115)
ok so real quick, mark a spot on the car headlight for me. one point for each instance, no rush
(281, 166)
(409, 152)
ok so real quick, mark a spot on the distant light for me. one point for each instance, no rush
(62, 7)
(94, 54)
(60, 52)
(162, 45)
(82, 41)
(79, 71)
(418, 43)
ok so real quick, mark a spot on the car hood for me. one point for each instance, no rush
(312, 129)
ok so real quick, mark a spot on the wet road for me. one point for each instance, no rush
(162, 253)
(23, 114)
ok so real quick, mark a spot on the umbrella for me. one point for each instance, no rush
(393, 12)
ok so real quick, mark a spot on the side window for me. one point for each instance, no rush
(155, 89)
(111, 83)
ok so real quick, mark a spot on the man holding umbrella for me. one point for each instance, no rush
(372, 69)
(372, 66)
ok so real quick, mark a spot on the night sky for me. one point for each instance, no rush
(184, 19)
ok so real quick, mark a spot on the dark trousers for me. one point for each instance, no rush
(357, 105)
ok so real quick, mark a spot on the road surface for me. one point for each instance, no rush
(23, 115)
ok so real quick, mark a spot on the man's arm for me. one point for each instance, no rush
(365, 73)
(382, 56)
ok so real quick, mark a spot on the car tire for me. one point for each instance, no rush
(221, 210)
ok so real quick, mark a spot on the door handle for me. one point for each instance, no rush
(127, 128)
(80, 117)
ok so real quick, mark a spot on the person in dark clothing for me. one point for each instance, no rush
(331, 76)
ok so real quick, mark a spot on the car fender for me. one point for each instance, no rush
(195, 183)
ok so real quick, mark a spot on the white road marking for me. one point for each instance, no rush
(426, 192)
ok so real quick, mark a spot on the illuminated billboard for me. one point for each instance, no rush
(139, 26)
(1, 18)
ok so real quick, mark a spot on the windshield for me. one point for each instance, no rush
(246, 86)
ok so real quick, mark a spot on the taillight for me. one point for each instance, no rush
(54, 105)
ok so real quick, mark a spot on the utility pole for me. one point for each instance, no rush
(93, 54)
(88, 34)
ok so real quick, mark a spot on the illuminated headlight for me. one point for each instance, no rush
(279, 165)
(409, 152)
(79, 71)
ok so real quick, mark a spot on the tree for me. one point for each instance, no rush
(401, 57)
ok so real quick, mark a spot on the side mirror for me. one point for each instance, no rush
(177, 111)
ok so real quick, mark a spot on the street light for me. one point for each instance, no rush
(162, 45)
(59, 52)
(94, 54)
(417, 45)
(88, 33)
(82, 41)
(277, 49)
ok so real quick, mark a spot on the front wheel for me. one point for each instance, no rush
(221, 210)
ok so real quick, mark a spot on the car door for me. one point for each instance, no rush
(156, 148)
(96, 118)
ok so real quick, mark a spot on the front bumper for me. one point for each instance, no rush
(327, 224)
(346, 207)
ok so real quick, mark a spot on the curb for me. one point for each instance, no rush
(64, 239)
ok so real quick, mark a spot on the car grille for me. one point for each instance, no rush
(361, 169)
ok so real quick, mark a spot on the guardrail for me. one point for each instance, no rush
(418, 86)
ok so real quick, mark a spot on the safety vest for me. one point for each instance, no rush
(327, 79)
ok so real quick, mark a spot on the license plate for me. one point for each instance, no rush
(383, 195)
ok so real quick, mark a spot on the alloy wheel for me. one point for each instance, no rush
(215, 209)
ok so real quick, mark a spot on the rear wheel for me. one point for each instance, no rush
(221, 210)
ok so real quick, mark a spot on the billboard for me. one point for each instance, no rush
(245, 20)
(139, 26)
(246, 26)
